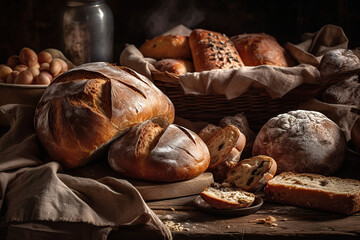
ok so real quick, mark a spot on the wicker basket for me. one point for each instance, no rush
(256, 103)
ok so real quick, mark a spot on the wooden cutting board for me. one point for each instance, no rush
(149, 190)
(159, 191)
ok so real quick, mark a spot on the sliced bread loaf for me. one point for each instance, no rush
(315, 191)
(225, 148)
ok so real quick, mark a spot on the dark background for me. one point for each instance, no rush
(35, 23)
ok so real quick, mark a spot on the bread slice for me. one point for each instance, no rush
(315, 191)
(253, 173)
(225, 148)
(222, 197)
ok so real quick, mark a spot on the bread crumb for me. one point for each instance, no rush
(172, 209)
(228, 227)
(270, 220)
(175, 226)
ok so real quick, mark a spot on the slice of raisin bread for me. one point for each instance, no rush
(225, 148)
(253, 173)
(208, 131)
(315, 191)
(222, 197)
(239, 120)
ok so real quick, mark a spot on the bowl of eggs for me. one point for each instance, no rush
(24, 77)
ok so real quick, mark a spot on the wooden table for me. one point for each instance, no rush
(292, 223)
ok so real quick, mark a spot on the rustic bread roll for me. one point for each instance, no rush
(302, 141)
(315, 191)
(86, 107)
(222, 197)
(261, 49)
(177, 66)
(239, 120)
(345, 92)
(212, 50)
(252, 174)
(167, 46)
(338, 61)
(150, 152)
(225, 148)
(208, 131)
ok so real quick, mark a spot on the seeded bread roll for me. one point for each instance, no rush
(177, 66)
(261, 49)
(303, 142)
(167, 46)
(213, 50)
(315, 191)
(222, 197)
(150, 152)
(86, 107)
(252, 174)
(225, 148)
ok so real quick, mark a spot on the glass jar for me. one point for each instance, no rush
(88, 31)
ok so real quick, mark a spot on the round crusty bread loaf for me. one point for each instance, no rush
(261, 49)
(302, 141)
(167, 46)
(86, 107)
(338, 61)
(150, 152)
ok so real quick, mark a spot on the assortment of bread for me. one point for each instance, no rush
(207, 50)
(100, 107)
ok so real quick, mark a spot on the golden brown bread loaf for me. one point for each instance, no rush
(213, 50)
(167, 46)
(177, 66)
(86, 107)
(150, 152)
(315, 191)
(261, 49)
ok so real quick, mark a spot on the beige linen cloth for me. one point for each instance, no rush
(39, 201)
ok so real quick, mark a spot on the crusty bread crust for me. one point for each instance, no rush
(315, 191)
(213, 50)
(261, 49)
(148, 152)
(86, 107)
(167, 46)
